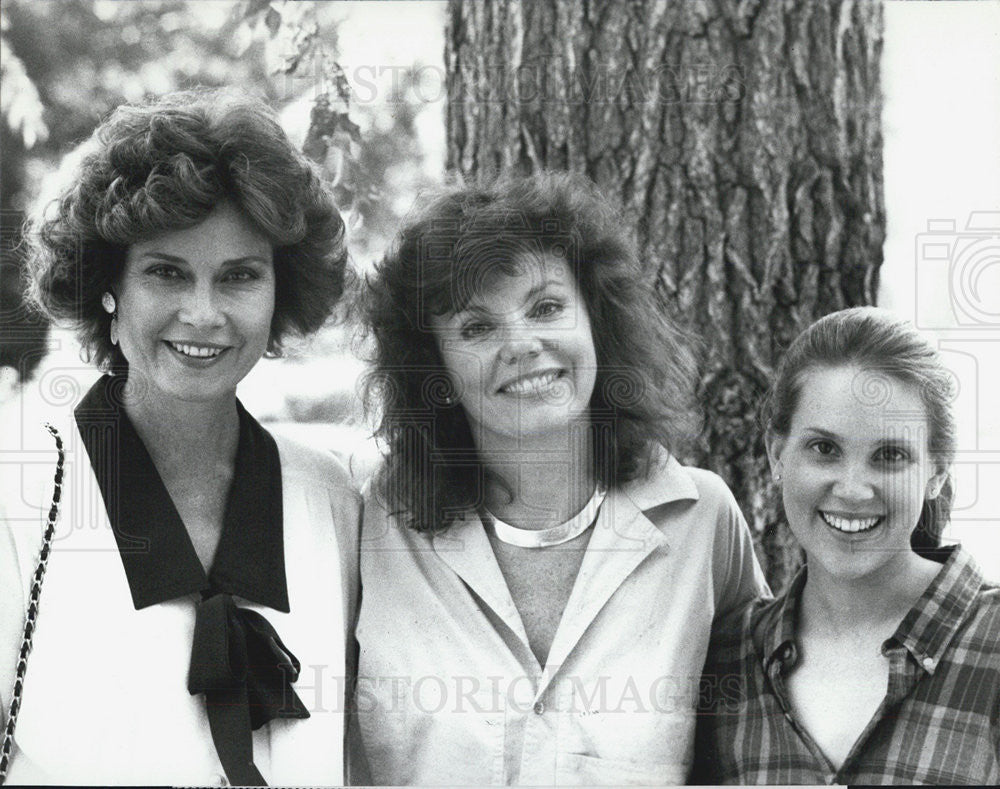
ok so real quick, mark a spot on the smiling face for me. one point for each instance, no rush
(521, 354)
(195, 306)
(855, 473)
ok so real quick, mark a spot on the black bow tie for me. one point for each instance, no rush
(246, 673)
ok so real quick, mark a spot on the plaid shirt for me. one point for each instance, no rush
(939, 722)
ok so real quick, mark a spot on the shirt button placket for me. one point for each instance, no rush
(538, 757)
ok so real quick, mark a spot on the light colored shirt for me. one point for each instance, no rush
(449, 691)
(105, 698)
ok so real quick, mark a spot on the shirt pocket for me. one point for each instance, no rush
(573, 769)
(430, 730)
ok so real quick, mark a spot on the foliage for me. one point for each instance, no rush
(84, 58)
(67, 64)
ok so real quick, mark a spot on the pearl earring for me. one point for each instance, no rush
(110, 307)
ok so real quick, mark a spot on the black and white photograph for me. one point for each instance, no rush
(499, 392)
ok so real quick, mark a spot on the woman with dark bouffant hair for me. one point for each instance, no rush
(535, 561)
(179, 538)
(880, 664)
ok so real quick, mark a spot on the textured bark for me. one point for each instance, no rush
(745, 140)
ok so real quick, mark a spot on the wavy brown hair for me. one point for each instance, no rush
(644, 382)
(165, 165)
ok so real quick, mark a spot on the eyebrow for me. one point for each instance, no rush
(821, 432)
(894, 441)
(230, 262)
(480, 309)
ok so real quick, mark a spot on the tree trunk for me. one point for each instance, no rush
(744, 138)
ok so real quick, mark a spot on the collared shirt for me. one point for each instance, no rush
(159, 560)
(106, 695)
(939, 722)
(450, 692)
(161, 564)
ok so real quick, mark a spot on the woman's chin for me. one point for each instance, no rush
(182, 389)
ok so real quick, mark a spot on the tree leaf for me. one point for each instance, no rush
(343, 123)
(254, 7)
(273, 21)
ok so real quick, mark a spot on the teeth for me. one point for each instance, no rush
(534, 383)
(850, 525)
(196, 350)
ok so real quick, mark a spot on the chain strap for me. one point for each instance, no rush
(32, 614)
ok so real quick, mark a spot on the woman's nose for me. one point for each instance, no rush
(856, 483)
(519, 343)
(200, 307)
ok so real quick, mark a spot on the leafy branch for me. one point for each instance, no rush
(333, 138)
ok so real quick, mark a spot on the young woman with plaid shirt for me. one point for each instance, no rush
(881, 662)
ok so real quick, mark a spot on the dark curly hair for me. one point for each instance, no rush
(875, 340)
(165, 165)
(644, 381)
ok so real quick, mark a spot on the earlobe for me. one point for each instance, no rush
(775, 443)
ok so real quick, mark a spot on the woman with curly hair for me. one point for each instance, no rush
(182, 538)
(539, 572)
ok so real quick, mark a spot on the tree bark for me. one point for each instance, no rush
(743, 137)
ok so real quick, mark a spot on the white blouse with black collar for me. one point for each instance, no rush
(144, 668)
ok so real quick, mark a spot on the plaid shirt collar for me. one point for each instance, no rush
(776, 633)
(931, 624)
(925, 631)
